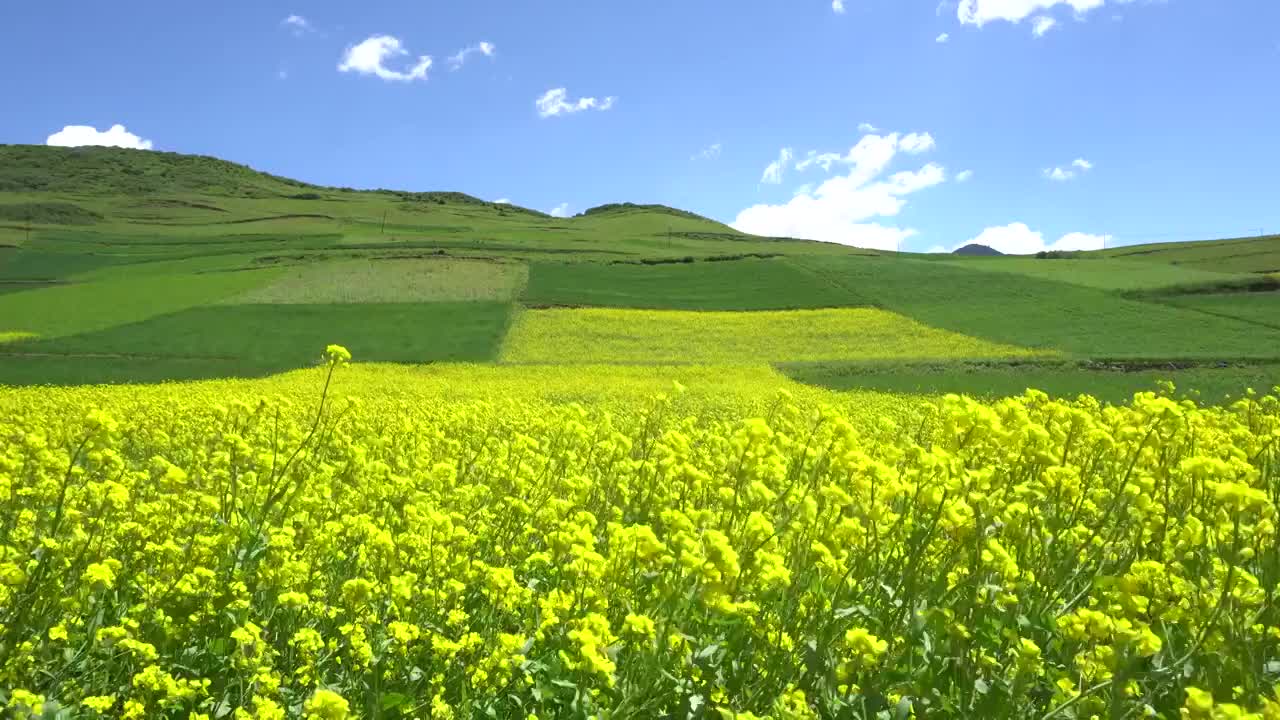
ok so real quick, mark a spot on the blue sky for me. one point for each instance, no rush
(755, 112)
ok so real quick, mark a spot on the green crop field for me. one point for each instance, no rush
(72, 308)
(1260, 308)
(1242, 255)
(1033, 312)
(383, 280)
(255, 340)
(124, 266)
(745, 284)
(1100, 272)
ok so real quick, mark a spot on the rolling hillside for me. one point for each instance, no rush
(120, 265)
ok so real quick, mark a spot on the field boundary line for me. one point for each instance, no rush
(114, 356)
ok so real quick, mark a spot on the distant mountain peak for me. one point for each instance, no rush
(976, 249)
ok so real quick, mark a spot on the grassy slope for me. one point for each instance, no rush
(253, 340)
(1103, 273)
(1029, 312)
(1243, 255)
(750, 284)
(163, 206)
(1262, 308)
(150, 237)
(71, 309)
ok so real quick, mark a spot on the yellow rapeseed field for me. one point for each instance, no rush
(585, 335)
(334, 545)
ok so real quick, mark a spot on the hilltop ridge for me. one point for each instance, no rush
(110, 171)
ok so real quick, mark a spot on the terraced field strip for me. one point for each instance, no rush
(273, 338)
(390, 280)
(1032, 312)
(584, 335)
(1103, 273)
(1261, 308)
(72, 309)
(744, 284)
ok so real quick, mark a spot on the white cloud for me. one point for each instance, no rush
(484, 48)
(838, 6)
(916, 143)
(981, 12)
(773, 173)
(371, 56)
(502, 201)
(822, 160)
(560, 211)
(842, 209)
(942, 38)
(115, 136)
(1081, 241)
(867, 128)
(556, 102)
(964, 176)
(711, 152)
(298, 24)
(1042, 25)
(1062, 174)
(872, 153)
(1018, 239)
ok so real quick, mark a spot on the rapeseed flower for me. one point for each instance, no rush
(512, 554)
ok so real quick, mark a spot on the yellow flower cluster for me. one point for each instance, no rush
(181, 552)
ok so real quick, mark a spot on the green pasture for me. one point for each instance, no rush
(745, 284)
(127, 266)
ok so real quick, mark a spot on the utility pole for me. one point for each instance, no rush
(383, 231)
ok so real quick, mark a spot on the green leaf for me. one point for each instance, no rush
(394, 700)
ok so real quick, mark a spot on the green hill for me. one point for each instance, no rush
(105, 171)
(122, 265)
(147, 205)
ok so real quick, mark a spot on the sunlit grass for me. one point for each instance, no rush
(639, 336)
